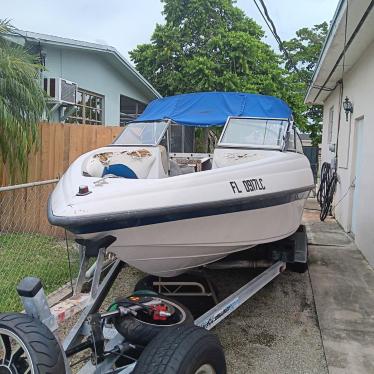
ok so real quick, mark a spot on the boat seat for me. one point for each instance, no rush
(119, 170)
(175, 169)
(187, 169)
(164, 158)
(130, 163)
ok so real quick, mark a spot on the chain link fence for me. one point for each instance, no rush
(29, 245)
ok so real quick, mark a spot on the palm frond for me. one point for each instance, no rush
(22, 103)
(5, 26)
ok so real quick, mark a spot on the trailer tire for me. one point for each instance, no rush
(40, 348)
(139, 332)
(183, 350)
(298, 267)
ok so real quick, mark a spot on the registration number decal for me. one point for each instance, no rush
(247, 185)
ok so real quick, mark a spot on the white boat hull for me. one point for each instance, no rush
(168, 249)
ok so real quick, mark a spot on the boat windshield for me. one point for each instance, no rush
(142, 133)
(254, 133)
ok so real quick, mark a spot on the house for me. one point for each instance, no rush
(89, 83)
(343, 83)
(93, 84)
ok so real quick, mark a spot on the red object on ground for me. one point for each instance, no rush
(156, 312)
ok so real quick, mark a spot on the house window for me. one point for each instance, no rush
(89, 109)
(330, 125)
(130, 109)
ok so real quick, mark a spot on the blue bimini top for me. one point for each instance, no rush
(203, 109)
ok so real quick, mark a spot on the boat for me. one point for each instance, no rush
(166, 217)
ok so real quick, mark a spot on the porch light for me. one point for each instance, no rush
(348, 107)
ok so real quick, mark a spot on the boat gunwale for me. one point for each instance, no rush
(94, 223)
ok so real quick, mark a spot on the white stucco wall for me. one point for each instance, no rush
(359, 87)
(94, 72)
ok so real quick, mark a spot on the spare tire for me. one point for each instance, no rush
(140, 329)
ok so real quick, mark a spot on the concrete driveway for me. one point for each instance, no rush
(276, 331)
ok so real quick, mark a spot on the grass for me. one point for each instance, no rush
(36, 255)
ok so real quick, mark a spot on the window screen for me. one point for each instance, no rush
(89, 109)
(130, 109)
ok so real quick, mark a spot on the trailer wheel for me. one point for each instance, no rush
(183, 350)
(140, 329)
(28, 346)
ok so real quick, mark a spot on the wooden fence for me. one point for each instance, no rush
(60, 145)
(24, 210)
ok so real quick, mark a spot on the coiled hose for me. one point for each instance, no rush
(326, 191)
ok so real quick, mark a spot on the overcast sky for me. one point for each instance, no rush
(124, 24)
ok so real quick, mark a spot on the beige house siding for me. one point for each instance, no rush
(359, 87)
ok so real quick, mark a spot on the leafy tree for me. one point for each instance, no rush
(22, 103)
(304, 51)
(211, 45)
(204, 45)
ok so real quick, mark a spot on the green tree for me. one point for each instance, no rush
(304, 51)
(211, 45)
(22, 103)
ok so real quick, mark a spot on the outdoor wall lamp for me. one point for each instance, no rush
(348, 107)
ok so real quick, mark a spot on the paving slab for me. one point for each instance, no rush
(328, 234)
(349, 351)
(343, 284)
(343, 288)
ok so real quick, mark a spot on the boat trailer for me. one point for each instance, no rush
(111, 352)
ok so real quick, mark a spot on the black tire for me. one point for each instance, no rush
(298, 267)
(146, 283)
(40, 344)
(140, 332)
(182, 350)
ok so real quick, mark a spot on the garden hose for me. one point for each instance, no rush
(326, 191)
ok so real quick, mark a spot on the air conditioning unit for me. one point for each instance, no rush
(61, 90)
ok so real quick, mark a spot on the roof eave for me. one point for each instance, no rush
(349, 38)
(325, 48)
(95, 47)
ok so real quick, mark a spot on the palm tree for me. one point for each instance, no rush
(22, 103)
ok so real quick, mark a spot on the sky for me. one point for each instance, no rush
(124, 24)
